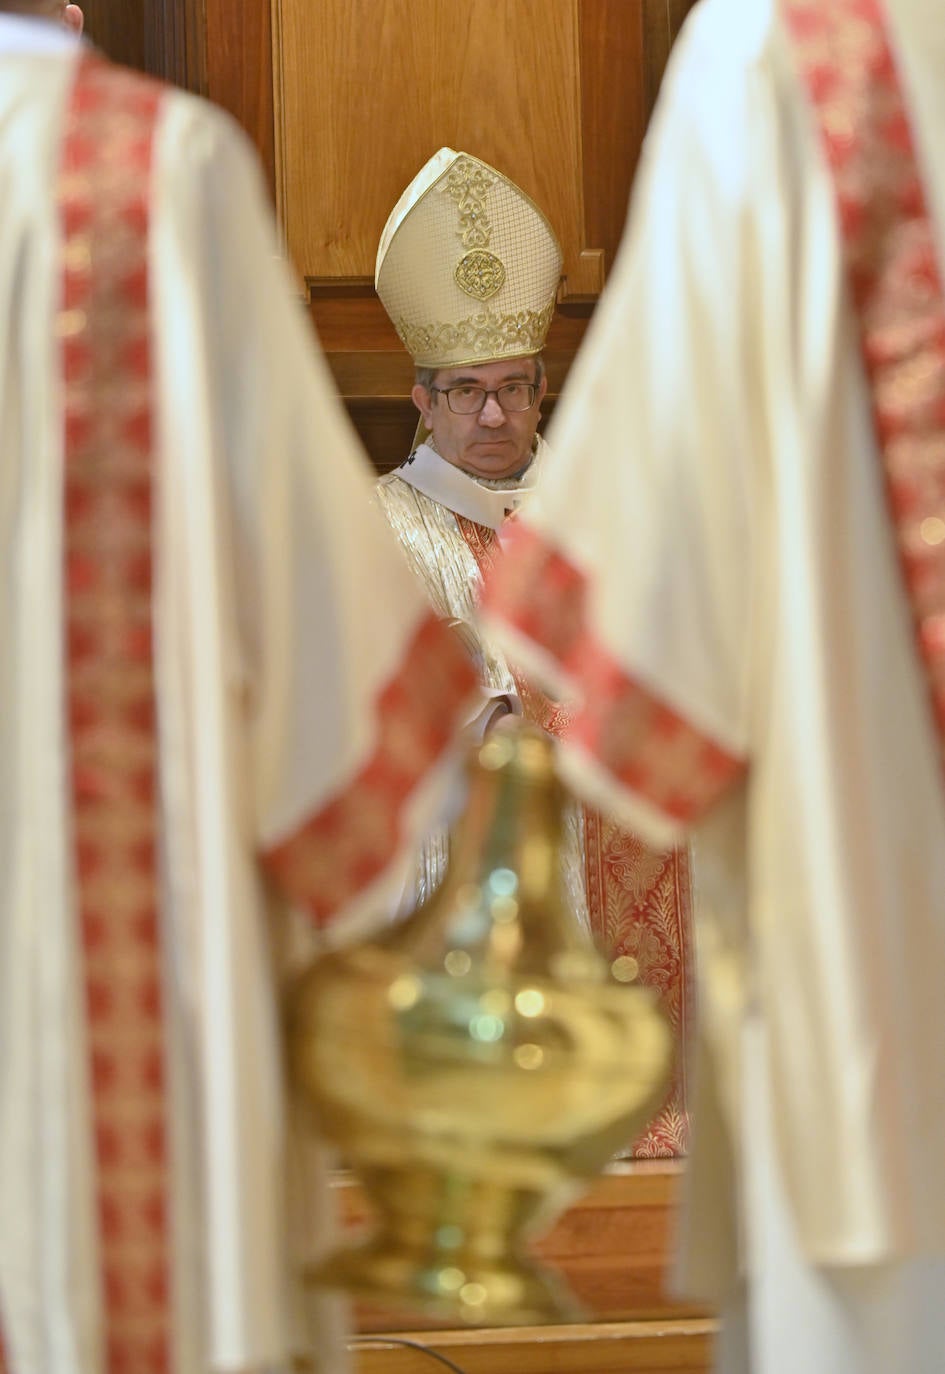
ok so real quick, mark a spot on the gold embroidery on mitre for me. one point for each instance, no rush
(480, 274)
(483, 335)
(469, 183)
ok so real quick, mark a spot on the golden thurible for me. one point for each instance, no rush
(478, 1062)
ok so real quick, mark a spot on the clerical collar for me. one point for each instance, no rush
(487, 502)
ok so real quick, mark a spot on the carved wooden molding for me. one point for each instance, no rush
(613, 116)
(662, 20)
(240, 70)
(674, 1347)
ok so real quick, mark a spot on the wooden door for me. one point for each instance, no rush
(346, 99)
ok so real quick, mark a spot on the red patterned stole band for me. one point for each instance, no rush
(104, 328)
(645, 746)
(483, 543)
(846, 62)
(338, 853)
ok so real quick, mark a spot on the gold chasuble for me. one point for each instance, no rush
(635, 900)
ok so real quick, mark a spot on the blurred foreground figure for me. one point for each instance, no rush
(194, 693)
(748, 602)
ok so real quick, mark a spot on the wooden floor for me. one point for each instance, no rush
(613, 1247)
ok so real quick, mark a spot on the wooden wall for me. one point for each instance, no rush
(502, 80)
(164, 37)
(118, 29)
(346, 99)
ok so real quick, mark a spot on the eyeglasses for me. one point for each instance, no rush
(469, 400)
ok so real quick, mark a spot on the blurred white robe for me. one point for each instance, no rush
(725, 604)
(270, 660)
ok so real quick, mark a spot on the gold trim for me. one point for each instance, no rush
(467, 182)
(502, 176)
(480, 274)
(489, 336)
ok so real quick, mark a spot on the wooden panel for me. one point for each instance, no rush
(497, 79)
(680, 1347)
(554, 92)
(616, 80)
(163, 37)
(662, 20)
(175, 42)
(613, 115)
(118, 29)
(369, 357)
(240, 70)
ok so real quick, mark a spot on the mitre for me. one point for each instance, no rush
(468, 266)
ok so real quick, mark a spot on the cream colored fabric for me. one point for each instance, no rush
(422, 499)
(875, 1319)
(269, 656)
(467, 266)
(489, 503)
(742, 569)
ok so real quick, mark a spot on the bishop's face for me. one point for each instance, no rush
(494, 442)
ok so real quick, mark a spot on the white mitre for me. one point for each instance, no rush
(467, 267)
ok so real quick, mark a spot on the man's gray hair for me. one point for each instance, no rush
(424, 376)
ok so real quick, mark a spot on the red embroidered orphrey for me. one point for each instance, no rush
(337, 854)
(103, 326)
(647, 747)
(895, 284)
(639, 901)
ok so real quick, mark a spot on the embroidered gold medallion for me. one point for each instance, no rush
(480, 274)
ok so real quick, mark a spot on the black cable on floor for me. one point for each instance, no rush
(411, 1345)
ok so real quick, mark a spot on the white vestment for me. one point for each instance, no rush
(734, 577)
(269, 660)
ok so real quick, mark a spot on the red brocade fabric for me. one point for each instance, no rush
(104, 329)
(846, 62)
(646, 746)
(639, 901)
